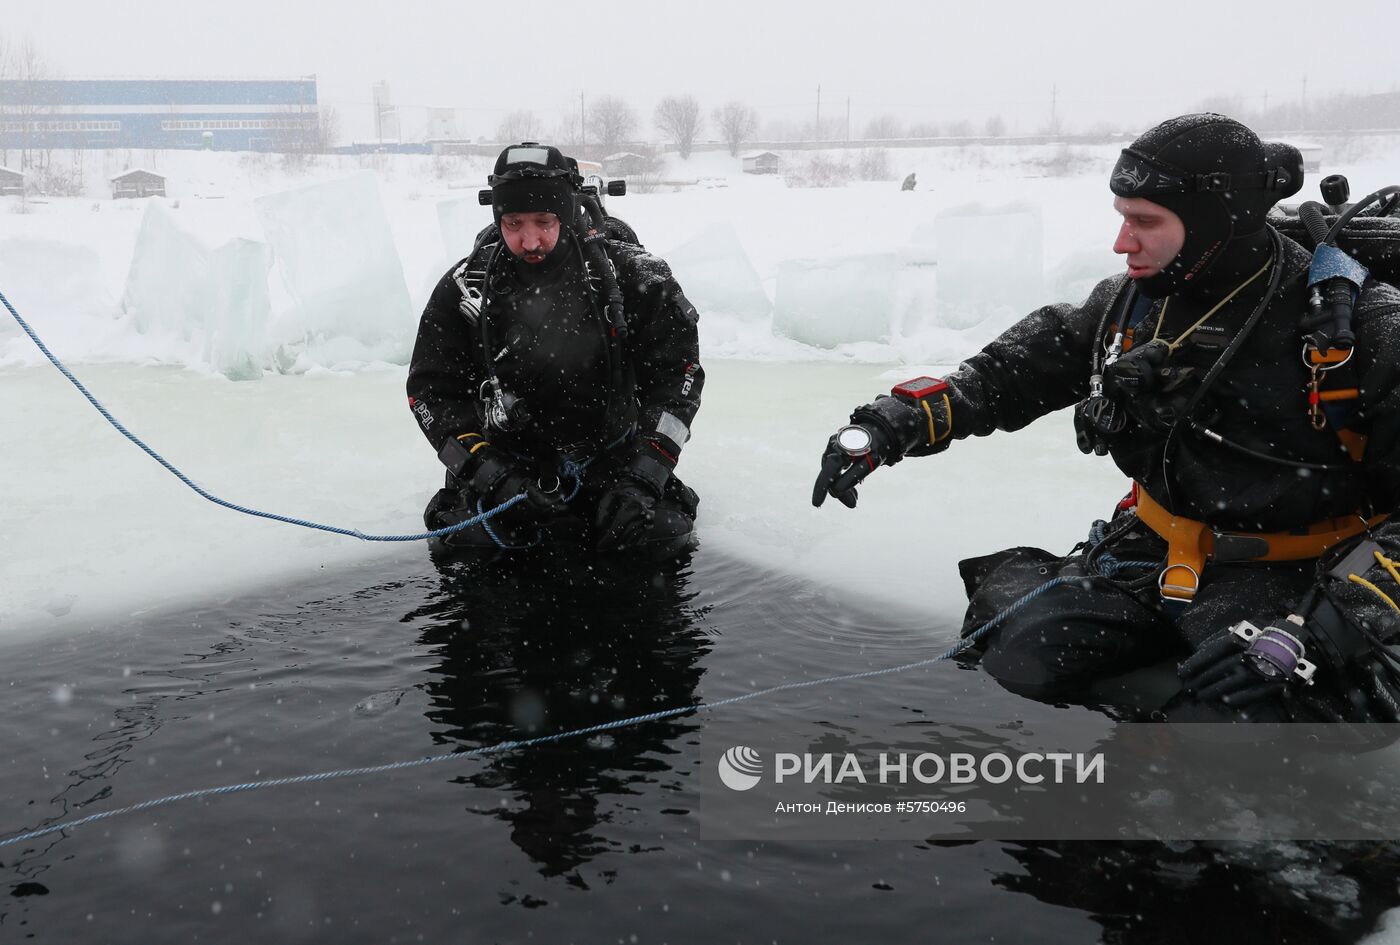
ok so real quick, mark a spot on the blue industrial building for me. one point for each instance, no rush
(226, 114)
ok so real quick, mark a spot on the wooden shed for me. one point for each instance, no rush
(763, 162)
(138, 182)
(625, 164)
(11, 182)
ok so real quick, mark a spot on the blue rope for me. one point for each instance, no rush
(1111, 567)
(575, 470)
(491, 532)
(351, 532)
(1106, 564)
(317, 777)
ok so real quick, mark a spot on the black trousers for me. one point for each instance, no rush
(1064, 644)
(519, 529)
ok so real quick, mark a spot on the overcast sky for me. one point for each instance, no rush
(1121, 62)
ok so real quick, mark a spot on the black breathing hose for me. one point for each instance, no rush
(592, 229)
(1336, 293)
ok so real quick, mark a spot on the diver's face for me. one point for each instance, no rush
(530, 236)
(1151, 235)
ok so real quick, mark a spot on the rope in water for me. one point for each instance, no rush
(1108, 567)
(290, 520)
(971, 640)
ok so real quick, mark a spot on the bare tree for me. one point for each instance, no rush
(610, 122)
(568, 132)
(6, 106)
(678, 117)
(995, 127)
(327, 128)
(882, 128)
(828, 129)
(31, 102)
(873, 164)
(737, 123)
(521, 125)
(780, 129)
(925, 129)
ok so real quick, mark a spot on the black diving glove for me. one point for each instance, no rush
(852, 453)
(626, 511)
(496, 477)
(625, 514)
(1244, 665)
(880, 434)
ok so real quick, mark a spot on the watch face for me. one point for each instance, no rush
(853, 440)
(1263, 666)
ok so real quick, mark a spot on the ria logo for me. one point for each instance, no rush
(740, 768)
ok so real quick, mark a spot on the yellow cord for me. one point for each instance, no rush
(1375, 590)
(462, 438)
(1161, 318)
(1389, 566)
(933, 437)
(929, 412)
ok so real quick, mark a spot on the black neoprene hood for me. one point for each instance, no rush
(1216, 175)
(532, 178)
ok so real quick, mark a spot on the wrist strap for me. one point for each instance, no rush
(650, 471)
(458, 453)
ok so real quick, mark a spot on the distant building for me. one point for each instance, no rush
(763, 162)
(386, 116)
(625, 163)
(11, 182)
(138, 182)
(442, 124)
(236, 114)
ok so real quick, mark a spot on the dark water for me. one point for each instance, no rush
(603, 838)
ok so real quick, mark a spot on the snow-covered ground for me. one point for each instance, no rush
(282, 389)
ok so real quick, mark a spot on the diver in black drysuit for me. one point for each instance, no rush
(1166, 402)
(525, 387)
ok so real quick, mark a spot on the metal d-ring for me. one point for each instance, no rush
(1189, 592)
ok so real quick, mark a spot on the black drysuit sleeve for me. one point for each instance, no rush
(663, 350)
(1037, 366)
(444, 374)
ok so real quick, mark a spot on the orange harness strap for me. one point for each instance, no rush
(1191, 544)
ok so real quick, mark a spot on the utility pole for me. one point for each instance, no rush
(848, 118)
(1303, 121)
(1054, 100)
(817, 131)
(582, 125)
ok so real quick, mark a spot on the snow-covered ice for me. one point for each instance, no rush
(717, 275)
(95, 532)
(836, 300)
(215, 297)
(990, 263)
(460, 220)
(332, 243)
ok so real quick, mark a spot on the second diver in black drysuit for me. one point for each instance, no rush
(547, 370)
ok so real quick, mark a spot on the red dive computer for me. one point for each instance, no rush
(920, 387)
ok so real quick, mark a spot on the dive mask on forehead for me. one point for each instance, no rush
(1137, 175)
